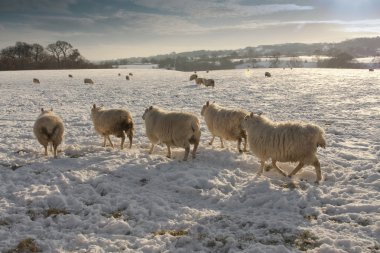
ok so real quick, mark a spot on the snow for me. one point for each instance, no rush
(112, 200)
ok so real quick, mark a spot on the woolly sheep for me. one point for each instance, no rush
(49, 128)
(88, 80)
(267, 74)
(193, 77)
(113, 122)
(371, 70)
(70, 75)
(119, 74)
(284, 142)
(199, 80)
(209, 82)
(131, 74)
(127, 77)
(178, 129)
(35, 80)
(225, 123)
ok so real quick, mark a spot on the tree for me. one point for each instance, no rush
(37, 52)
(65, 48)
(55, 51)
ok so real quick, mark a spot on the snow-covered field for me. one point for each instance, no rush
(95, 199)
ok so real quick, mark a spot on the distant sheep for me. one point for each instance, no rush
(371, 70)
(71, 76)
(127, 77)
(178, 129)
(225, 123)
(49, 129)
(119, 74)
(131, 74)
(284, 142)
(35, 80)
(193, 77)
(113, 122)
(88, 80)
(267, 74)
(200, 81)
(209, 82)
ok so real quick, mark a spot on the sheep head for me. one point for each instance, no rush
(147, 110)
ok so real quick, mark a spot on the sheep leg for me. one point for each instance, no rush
(151, 149)
(299, 166)
(55, 146)
(187, 151)
(221, 142)
(169, 151)
(104, 142)
(122, 140)
(51, 147)
(317, 166)
(212, 140)
(195, 148)
(130, 137)
(245, 143)
(46, 153)
(261, 168)
(278, 169)
(109, 139)
(239, 144)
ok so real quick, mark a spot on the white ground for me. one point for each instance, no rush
(129, 201)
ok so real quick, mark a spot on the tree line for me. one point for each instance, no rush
(58, 55)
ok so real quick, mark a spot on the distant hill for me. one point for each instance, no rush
(359, 47)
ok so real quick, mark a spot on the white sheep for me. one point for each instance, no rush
(225, 123)
(267, 74)
(113, 122)
(284, 142)
(49, 128)
(88, 80)
(178, 129)
(35, 80)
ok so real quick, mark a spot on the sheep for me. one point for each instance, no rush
(119, 74)
(284, 142)
(209, 82)
(127, 77)
(172, 128)
(371, 70)
(113, 122)
(193, 77)
(48, 128)
(200, 81)
(88, 80)
(225, 124)
(35, 80)
(267, 74)
(70, 75)
(131, 74)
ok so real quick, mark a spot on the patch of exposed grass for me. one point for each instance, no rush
(54, 212)
(176, 233)
(25, 246)
(306, 240)
(4, 222)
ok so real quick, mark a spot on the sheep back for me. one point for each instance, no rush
(48, 128)
(112, 121)
(283, 141)
(172, 128)
(225, 123)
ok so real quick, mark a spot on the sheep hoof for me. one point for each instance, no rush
(240, 151)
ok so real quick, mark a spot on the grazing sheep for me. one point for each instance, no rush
(119, 74)
(267, 74)
(178, 129)
(200, 81)
(225, 124)
(49, 128)
(284, 142)
(193, 77)
(127, 77)
(70, 75)
(209, 82)
(131, 74)
(113, 122)
(88, 80)
(371, 70)
(35, 80)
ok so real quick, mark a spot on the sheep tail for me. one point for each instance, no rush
(321, 142)
(48, 135)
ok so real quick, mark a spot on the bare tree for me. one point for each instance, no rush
(37, 52)
(55, 51)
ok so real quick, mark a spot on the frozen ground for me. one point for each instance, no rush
(95, 199)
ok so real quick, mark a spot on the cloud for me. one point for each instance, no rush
(36, 5)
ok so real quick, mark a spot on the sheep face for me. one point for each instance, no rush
(193, 77)
(147, 110)
(250, 120)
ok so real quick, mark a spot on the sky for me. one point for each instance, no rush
(113, 29)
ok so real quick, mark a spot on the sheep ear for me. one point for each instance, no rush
(208, 103)
(42, 109)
